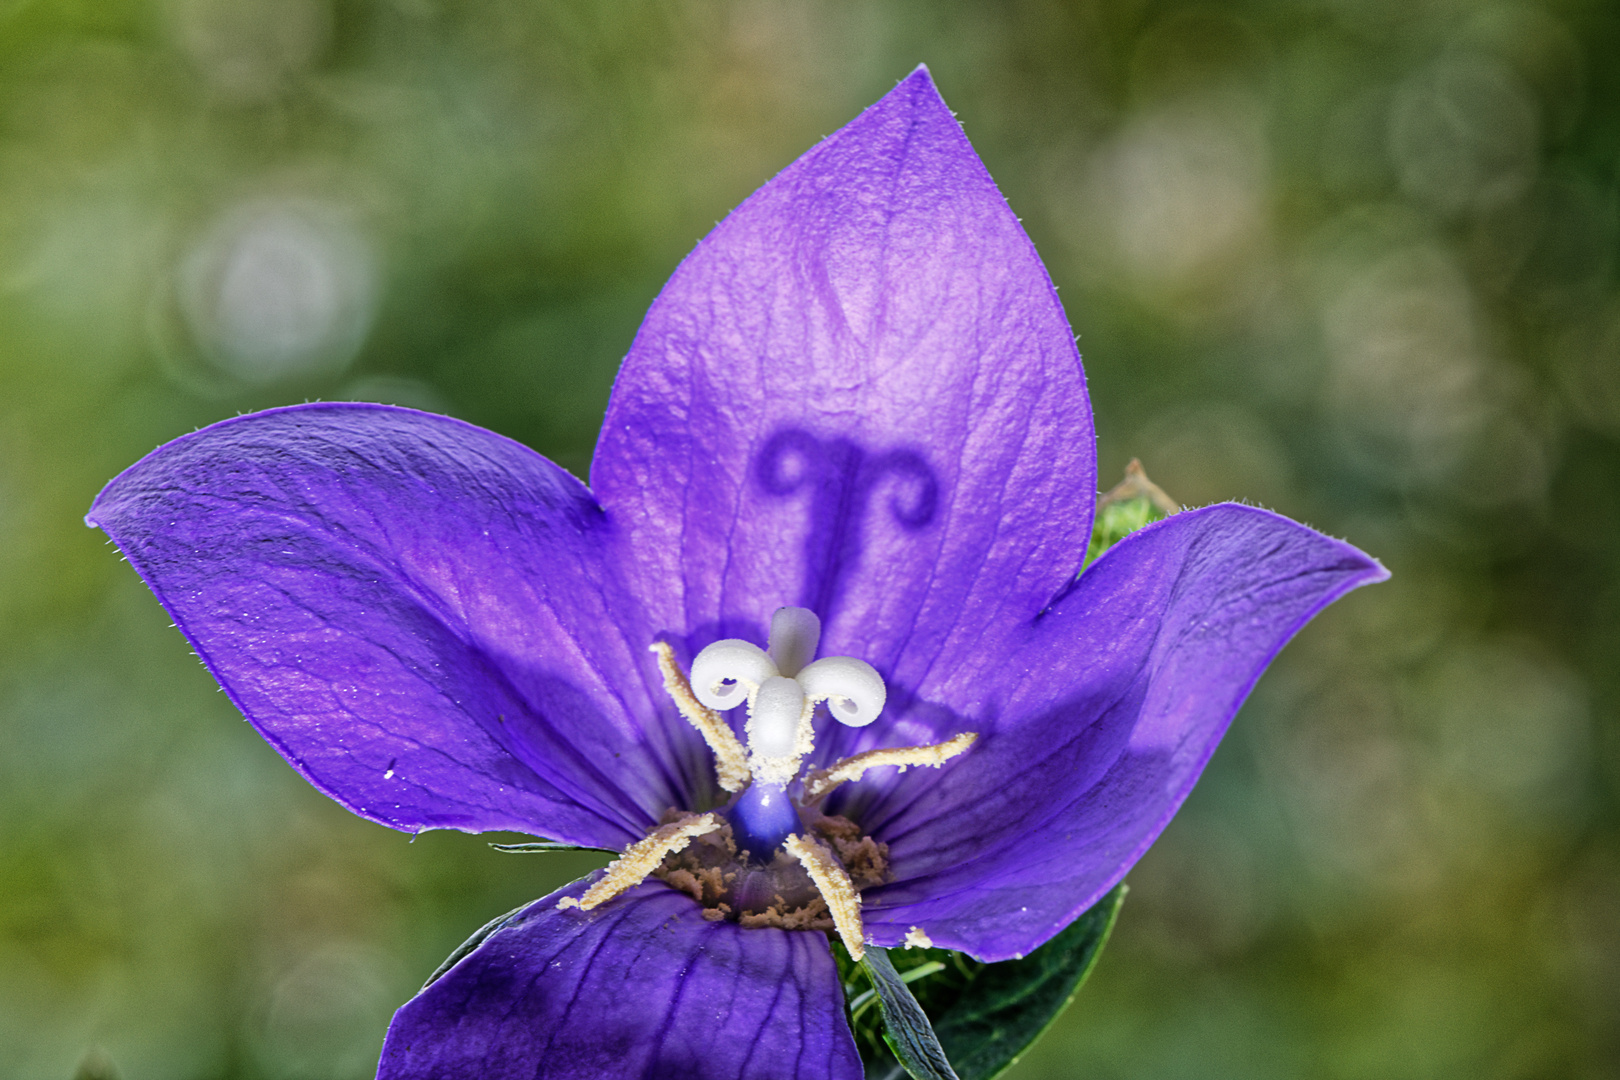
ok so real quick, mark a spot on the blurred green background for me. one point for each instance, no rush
(1350, 259)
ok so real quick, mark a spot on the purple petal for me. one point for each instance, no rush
(1095, 726)
(640, 987)
(858, 395)
(413, 611)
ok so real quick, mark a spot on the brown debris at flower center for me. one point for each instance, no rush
(781, 894)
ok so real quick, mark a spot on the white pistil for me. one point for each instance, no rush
(822, 781)
(781, 687)
(642, 858)
(779, 731)
(833, 882)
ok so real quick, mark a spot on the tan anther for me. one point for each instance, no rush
(843, 901)
(730, 759)
(917, 938)
(642, 858)
(820, 782)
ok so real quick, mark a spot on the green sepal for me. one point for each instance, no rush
(983, 1016)
(1130, 504)
(548, 845)
(472, 943)
(906, 1030)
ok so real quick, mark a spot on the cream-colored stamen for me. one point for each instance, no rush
(730, 759)
(642, 858)
(830, 878)
(917, 938)
(820, 782)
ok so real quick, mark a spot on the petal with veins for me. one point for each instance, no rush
(642, 987)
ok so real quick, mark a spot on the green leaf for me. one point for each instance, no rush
(906, 1030)
(983, 1015)
(1007, 1006)
(548, 845)
(859, 1004)
(1130, 504)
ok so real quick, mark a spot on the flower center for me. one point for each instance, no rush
(781, 687)
(770, 858)
(812, 883)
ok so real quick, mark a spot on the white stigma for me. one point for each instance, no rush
(795, 633)
(729, 672)
(782, 687)
(853, 690)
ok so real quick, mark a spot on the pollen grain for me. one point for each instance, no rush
(917, 938)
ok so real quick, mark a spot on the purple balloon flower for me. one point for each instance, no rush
(857, 400)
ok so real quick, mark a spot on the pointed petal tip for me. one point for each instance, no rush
(920, 89)
(915, 93)
(1196, 604)
(1364, 569)
(357, 499)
